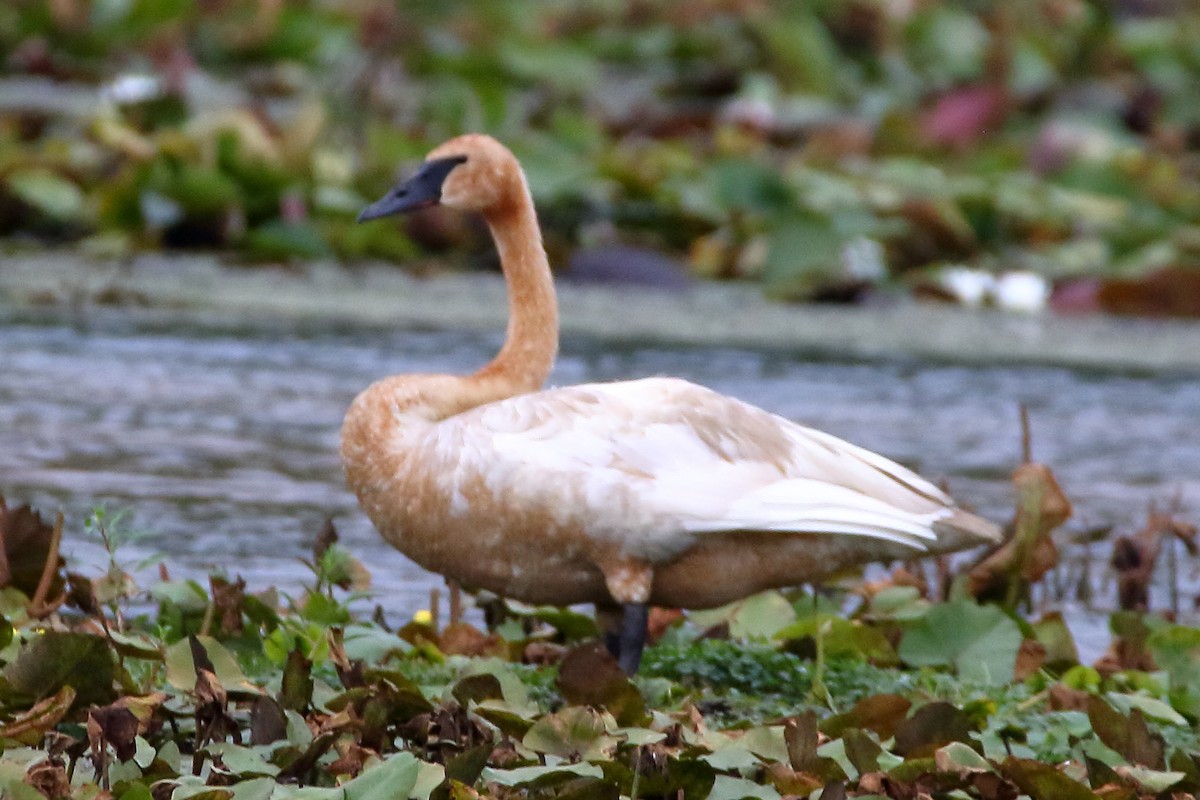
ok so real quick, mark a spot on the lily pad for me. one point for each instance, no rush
(981, 642)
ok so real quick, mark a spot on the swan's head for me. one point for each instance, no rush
(469, 173)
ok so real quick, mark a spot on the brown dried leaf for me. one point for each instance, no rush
(29, 727)
(1043, 781)
(26, 543)
(1129, 736)
(932, 726)
(543, 653)
(1134, 557)
(116, 726)
(1064, 698)
(326, 538)
(790, 782)
(228, 604)
(881, 713)
(1169, 292)
(1030, 552)
(463, 638)
(267, 721)
(589, 675)
(50, 778)
(1030, 659)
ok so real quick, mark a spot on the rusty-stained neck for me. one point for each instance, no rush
(531, 343)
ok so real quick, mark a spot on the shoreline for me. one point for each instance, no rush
(201, 289)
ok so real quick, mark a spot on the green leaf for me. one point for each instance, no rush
(1150, 706)
(803, 255)
(840, 638)
(51, 194)
(181, 671)
(372, 645)
(1176, 649)
(961, 757)
(394, 778)
(283, 241)
(899, 603)
(515, 695)
(727, 788)
(981, 642)
(520, 775)
(188, 595)
(55, 659)
(243, 761)
(1052, 631)
(1151, 780)
(574, 732)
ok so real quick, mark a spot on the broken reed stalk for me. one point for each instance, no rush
(1026, 436)
(210, 610)
(456, 608)
(38, 607)
(5, 572)
(1173, 576)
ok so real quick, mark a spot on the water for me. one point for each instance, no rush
(224, 441)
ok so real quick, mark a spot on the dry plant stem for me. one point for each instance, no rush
(1173, 583)
(456, 609)
(435, 608)
(637, 773)
(1026, 436)
(38, 607)
(1026, 534)
(209, 612)
(5, 572)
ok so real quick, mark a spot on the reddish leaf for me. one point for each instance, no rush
(881, 713)
(26, 546)
(1129, 736)
(589, 675)
(961, 117)
(1044, 782)
(1168, 292)
(932, 726)
(1029, 553)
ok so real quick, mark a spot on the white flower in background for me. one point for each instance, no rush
(971, 287)
(132, 88)
(1022, 291)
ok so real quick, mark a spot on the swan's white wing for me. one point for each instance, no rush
(669, 460)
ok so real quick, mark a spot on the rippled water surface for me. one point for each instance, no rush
(224, 442)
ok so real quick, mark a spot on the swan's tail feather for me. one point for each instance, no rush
(962, 529)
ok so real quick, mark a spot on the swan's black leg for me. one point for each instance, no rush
(631, 639)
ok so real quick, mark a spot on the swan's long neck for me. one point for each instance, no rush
(531, 343)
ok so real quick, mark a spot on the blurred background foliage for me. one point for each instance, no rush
(824, 147)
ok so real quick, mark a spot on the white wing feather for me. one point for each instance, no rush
(665, 458)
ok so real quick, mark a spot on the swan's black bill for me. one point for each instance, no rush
(421, 190)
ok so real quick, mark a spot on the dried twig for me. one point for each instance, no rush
(5, 572)
(38, 607)
(1026, 435)
(456, 609)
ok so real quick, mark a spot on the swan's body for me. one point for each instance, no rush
(652, 491)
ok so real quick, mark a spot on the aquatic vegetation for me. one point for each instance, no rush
(1041, 145)
(181, 691)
